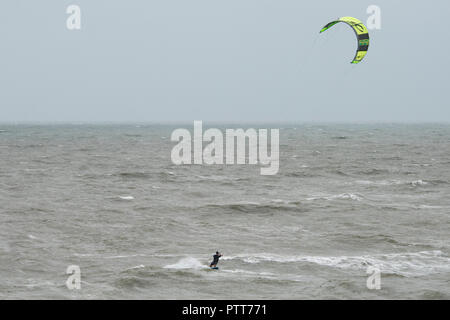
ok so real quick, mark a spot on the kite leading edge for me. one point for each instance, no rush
(361, 32)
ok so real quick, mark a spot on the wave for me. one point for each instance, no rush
(126, 197)
(438, 181)
(165, 175)
(141, 266)
(342, 196)
(380, 182)
(340, 173)
(187, 263)
(372, 172)
(217, 178)
(133, 282)
(133, 175)
(414, 183)
(257, 207)
(263, 275)
(402, 264)
(425, 206)
(418, 183)
(125, 256)
(132, 135)
(301, 175)
(280, 204)
(394, 158)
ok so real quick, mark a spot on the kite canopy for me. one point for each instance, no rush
(361, 32)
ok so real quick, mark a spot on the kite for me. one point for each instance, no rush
(361, 32)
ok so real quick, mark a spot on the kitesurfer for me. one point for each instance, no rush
(215, 259)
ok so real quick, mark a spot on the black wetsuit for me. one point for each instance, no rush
(215, 260)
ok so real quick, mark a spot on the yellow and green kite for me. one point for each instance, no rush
(361, 32)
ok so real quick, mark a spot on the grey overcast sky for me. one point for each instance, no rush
(222, 60)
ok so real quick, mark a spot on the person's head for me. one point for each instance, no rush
(217, 252)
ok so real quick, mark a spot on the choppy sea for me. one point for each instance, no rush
(108, 199)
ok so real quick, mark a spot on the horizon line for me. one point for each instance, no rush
(169, 122)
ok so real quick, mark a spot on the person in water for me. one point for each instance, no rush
(215, 259)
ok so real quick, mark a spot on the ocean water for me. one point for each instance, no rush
(108, 199)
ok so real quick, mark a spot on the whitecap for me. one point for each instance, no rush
(418, 183)
(406, 264)
(186, 263)
(342, 196)
(137, 267)
(126, 197)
